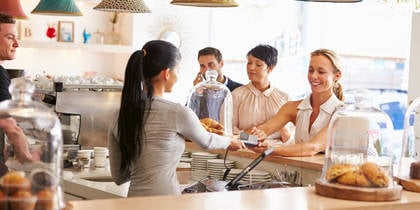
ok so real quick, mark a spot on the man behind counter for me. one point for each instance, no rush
(8, 45)
(211, 58)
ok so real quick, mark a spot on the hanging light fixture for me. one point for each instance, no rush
(334, 1)
(57, 7)
(206, 3)
(131, 6)
(12, 8)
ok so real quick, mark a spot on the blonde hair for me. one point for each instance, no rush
(335, 60)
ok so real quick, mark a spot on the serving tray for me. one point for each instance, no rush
(358, 193)
(409, 184)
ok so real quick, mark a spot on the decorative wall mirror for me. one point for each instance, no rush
(171, 36)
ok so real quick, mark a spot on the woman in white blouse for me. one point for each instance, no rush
(258, 101)
(312, 114)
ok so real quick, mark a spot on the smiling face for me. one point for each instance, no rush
(322, 74)
(257, 69)
(8, 42)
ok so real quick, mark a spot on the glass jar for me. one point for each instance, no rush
(212, 102)
(42, 169)
(409, 166)
(360, 153)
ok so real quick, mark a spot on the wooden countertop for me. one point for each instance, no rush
(314, 162)
(281, 198)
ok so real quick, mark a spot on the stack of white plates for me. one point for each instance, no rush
(216, 167)
(252, 176)
(199, 164)
(186, 154)
(199, 160)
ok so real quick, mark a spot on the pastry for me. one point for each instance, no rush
(375, 174)
(3, 201)
(212, 126)
(45, 200)
(354, 178)
(415, 170)
(338, 170)
(13, 181)
(22, 200)
(212, 123)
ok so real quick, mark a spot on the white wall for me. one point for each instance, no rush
(414, 75)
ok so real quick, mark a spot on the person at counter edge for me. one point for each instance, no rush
(312, 114)
(211, 58)
(258, 101)
(16, 137)
(148, 138)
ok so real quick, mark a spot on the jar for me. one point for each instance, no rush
(360, 154)
(409, 167)
(41, 127)
(212, 102)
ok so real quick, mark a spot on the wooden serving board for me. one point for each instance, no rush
(358, 193)
(409, 184)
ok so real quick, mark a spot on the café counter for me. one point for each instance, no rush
(280, 198)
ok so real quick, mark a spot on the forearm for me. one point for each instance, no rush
(298, 150)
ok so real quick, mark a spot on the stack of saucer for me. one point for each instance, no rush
(252, 176)
(199, 164)
(216, 167)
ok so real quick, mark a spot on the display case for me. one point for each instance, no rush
(212, 102)
(359, 162)
(33, 154)
(409, 165)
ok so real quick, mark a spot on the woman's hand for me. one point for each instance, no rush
(236, 144)
(261, 147)
(260, 134)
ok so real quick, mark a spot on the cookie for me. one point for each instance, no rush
(354, 178)
(375, 174)
(338, 170)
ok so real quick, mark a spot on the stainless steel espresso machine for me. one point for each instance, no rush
(85, 112)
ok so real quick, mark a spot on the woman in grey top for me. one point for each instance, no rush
(146, 141)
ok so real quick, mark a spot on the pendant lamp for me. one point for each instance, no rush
(206, 3)
(12, 8)
(131, 6)
(334, 1)
(57, 7)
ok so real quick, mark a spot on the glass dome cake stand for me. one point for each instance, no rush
(409, 166)
(359, 162)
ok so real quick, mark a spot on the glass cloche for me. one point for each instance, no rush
(212, 102)
(409, 167)
(33, 157)
(359, 154)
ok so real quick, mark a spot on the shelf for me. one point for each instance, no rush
(104, 48)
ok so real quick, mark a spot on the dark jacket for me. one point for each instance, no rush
(232, 85)
(4, 84)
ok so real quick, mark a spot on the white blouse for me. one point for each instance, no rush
(304, 113)
(251, 107)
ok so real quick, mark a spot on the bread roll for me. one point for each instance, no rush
(338, 170)
(375, 174)
(354, 178)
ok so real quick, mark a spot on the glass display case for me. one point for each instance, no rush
(409, 165)
(359, 156)
(212, 102)
(33, 151)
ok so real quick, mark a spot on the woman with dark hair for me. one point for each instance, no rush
(147, 141)
(312, 114)
(258, 101)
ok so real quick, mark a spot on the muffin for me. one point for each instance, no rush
(14, 181)
(22, 200)
(42, 179)
(3, 201)
(45, 200)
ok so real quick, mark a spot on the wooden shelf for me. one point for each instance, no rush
(104, 48)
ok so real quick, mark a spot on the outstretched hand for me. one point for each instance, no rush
(260, 134)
